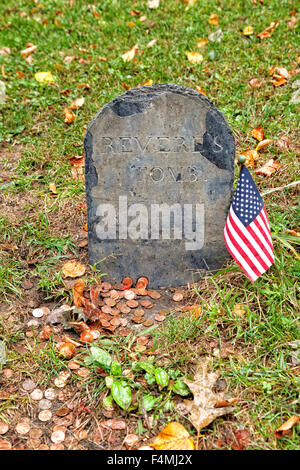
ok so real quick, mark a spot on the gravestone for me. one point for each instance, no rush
(159, 174)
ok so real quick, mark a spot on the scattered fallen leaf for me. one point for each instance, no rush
(151, 43)
(115, 424)
(173, 437)
(284, 143)
(214, 19)
(52, 188)
(243, 439)
(152, 4)
(29, 50)
(69, 116)
(248, 30)
(200, 90)
(202, 410)
(85, 86)
(286, 426)
(76, 104)
(292, 232)
(194, 57)
(44, 77)
(279, 81)
(263, 144)
(73, 268)
(216, 36)
(266, 33)
(77, 291)
(251, 157)
(129, 55)
(5, 51)
(239, 310)
(255, 83)
(202, 42)
(257, 133)
(68, 59)
(268, 168)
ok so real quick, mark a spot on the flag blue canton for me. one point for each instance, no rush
(247, 202)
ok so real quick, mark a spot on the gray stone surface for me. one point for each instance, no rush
(161, 144)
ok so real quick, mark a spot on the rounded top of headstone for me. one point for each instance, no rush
(137, 101)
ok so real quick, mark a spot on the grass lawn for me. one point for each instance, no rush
(41, 225)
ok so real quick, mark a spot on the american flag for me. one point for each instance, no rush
(247, 231)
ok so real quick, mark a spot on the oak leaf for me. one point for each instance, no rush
(73, 268)
(207, 404)
(286, 426)
(173, 437)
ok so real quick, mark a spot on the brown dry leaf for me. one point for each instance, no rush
(251, 157)
(85, 86)
(69, 116)
(286, 426)
(202, 42)
(266, 33)
(202, 410)
(52, 188)
(115, 424)
(76, 104)
(257, 133)
(255, 83)
(73, 268)
(77, 290)
(292, 232)
(214, 19)
(263, 144)
(173, 437)
(129, 55)
(194, 57)
(5, 51)
(284, 143)
(268, 168)
(29, 50)
(281, 71)
(151, 43)
(77, 160)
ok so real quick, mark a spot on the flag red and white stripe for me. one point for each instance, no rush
(247, 231)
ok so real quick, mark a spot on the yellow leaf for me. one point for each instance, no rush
(239, 310)
(173, 437)
(73, 268)
(248, 30)
(202, 42)
(69, 116)
(44, 77)
(194, 57)
(200, 90)
(151, 43)
(148, 83)
(263, 144)
(76, 103)
(214, 19)
(286, 426)
(52, 188)
(257, 133)
(129, 55)
(251, 156)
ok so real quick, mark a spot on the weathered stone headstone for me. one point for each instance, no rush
(159, 173)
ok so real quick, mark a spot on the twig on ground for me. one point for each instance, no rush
(280, 187)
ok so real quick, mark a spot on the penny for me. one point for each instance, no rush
(58, 436)
(106, 309)
(148, 323)
(139, 312)
(146, 303)
(137, 319)
(45, 415)
(36, 394)
(115, 311)
(160, 317)
(154, 294)
(105, 286)
(177, 297)
(132, 303)
(45, 404)
(110, 302)
(35, 433)
(28, 385)
(129, 295)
